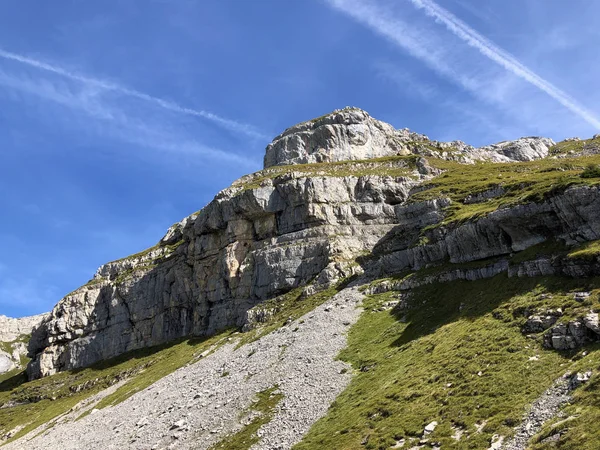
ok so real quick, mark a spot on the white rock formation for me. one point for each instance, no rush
(13, 333)
(11, 329)
(346, 134)
(523, 149)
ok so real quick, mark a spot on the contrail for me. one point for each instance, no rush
(503, 58)
(229, 124)
(398, 33)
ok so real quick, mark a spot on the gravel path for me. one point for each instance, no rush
(198, 405)
(545, 408)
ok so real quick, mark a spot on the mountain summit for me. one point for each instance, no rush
(270, 232)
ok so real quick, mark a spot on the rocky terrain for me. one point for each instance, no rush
(268, 233)
(406, 221)
(196, 407)
(14, 336)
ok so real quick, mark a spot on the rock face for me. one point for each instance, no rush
(11, 329)
(523, 149)
(246, 246)
(346, 134)
(13, 333)
(286, 227)
(572, 216)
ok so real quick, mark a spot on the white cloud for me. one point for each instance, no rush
(125, 127)
(503, 58)
(388, 25)
(103, 85)
(455, 54)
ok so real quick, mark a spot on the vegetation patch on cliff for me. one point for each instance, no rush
(166, 251)
(393, 166)
(456, 356)
(590, 250)
(520, 182)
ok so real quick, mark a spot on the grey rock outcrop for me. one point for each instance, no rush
(523, 149)
(345, 134)
(573, 334)
(283, 227)
(537, 323)
(484, 196)
(571, 216)
(247, 245)
(13, 334)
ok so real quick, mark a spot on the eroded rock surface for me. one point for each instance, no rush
(14, 334)
(12, 329)
(246, 246)
(346, 134)
(279, 229)
(571, 216)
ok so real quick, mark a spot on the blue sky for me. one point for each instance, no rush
(119, 118)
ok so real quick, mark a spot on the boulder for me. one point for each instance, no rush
(574, 334)
(541, 322)
(592, 323)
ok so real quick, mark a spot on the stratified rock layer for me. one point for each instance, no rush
(13, 334)
(290, 226)
(573, 216)
(246, 246)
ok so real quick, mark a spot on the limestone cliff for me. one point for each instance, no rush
(336, 197)
(14, 334)
(266, 234)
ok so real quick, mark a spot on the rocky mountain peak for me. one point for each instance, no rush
(352, 134)
(344, 134)
(271, 276)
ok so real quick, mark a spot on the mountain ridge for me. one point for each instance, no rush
(490, 254)
(73, 337)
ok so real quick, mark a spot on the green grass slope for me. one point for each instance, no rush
(458, 357)
(523, 182)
